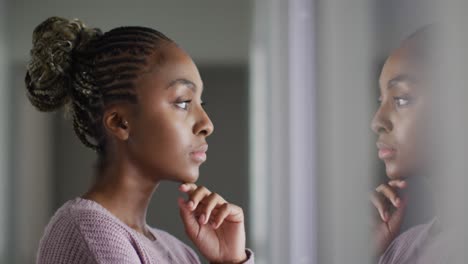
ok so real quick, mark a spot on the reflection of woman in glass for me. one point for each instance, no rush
(401, 125)
(135, 98)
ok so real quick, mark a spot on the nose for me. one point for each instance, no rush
(381, 122)
(203, 125)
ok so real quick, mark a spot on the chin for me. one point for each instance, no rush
(393, 172)
(189, 176)
(190, 180)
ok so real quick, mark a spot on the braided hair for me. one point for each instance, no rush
(83, 70)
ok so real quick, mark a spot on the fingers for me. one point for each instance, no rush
(196, 196)
(380, 203)
(389, 190)
(398, 214)
(190, 222)
(398, 184)
(209, 207)
(389, 193)
(184, 210)
(227, 211)
(187, 187)
(386, 195)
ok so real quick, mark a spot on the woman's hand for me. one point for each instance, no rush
(215, 226)
(391, 209)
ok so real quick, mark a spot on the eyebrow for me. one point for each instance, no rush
(402, 78)
(185, 82)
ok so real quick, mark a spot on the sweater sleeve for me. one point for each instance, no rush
(250, 255)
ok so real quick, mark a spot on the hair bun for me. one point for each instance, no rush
(48, 77)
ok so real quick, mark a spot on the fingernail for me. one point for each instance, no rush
(385, 215)
(397, 202)
(201, 219)
(190, 204)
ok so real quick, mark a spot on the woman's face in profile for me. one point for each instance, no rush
(169, 129)
(400, 120)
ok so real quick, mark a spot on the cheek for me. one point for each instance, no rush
(172, 157)
(167, 136)
(407, 137)
(175, 138)
(411, 142)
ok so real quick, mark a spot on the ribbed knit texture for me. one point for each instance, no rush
(408, 246)
(82, 231)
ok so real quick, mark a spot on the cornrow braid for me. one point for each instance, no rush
(94, 70)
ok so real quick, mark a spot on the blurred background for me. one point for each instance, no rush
(291, 87)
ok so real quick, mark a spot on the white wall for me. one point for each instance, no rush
(394, 20)
(213, 31)
(345, 52)
(282, 133)
(31, 185)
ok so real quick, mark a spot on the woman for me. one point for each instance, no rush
(401, 123)
(135, 98)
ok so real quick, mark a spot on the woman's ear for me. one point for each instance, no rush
(115, 121)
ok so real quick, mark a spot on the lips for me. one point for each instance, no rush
(385, 151)
(199, 154)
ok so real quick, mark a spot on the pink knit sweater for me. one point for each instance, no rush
(82, 231)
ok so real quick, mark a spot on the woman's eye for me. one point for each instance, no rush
(402, 101)
(183, 105)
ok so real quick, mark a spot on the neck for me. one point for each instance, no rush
(125, 192)
(421, 207)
